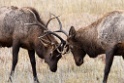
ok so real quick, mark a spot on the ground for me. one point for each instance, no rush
(78, 13)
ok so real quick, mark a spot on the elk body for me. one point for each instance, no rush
(104, 36)
(15, 33)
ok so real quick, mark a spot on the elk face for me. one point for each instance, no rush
(75, 47)
(51, 54)
(55, 50)
(52, 51)
(53, 59)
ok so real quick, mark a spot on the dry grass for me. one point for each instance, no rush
(78, 13)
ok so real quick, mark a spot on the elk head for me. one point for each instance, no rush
(59, 49)
(75, 47)
(53, 50)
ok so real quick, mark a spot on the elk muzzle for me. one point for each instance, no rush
(79, 61)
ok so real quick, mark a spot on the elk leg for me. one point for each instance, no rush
(33, 64)
(15, 50)
(109, 61)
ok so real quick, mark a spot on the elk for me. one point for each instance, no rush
(104, 36)
(23, 27)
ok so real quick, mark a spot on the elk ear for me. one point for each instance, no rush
(72, 31)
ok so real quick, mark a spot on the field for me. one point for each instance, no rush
(78, 13)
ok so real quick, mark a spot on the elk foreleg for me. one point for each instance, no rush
(33, 64)
(109, 61)
(15, 50)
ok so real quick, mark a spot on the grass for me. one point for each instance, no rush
(78, 13)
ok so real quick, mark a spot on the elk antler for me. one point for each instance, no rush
(50, 32)
(63, 42)
(39, 23)
(62, 48)
(36, 21)
(50, 20)
(60, 30)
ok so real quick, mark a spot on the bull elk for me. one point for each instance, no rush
(22, 27)
(104, 36)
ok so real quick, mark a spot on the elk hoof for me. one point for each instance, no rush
(36, 80)
(10, 79)
(104, 82)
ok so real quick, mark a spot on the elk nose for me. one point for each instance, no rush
(53, 69)
(79, 62)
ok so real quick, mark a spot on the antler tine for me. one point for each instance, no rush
(46, 33)
(49, 32)
(50, 20)
(60, 25)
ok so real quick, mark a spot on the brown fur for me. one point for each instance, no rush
(102, 36)
(14, 33)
